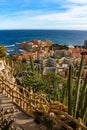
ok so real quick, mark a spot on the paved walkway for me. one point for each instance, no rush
(22, 120)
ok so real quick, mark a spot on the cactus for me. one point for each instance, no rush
(82, 97)
(32, 64)
(70, 90)
(79, 108)
(78, 87)
(84, 110)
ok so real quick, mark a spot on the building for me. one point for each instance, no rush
(49, 70)
(49, 62)
(85, 43)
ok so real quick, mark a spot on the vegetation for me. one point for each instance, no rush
(59, 47)
(77, 108)
(32, 81)
(69, 87)
(73, 94)
(3, 52)
(17, 67)
(78, 87)
(32, 64)
(54, 87)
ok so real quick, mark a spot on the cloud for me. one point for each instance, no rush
(71, 1)
(78, 1)
(57, 14)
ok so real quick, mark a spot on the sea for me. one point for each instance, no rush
(12, 39)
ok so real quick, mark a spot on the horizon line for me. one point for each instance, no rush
(45, 29)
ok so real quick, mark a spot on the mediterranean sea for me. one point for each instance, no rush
(11, 39)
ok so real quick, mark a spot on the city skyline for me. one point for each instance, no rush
(45, 14)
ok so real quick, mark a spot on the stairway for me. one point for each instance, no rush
(21, 119)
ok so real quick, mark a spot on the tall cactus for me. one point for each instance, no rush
(70, 90)
(84, 110)
(79, 108)
(82, 98)
(78, 87)
(32, 64)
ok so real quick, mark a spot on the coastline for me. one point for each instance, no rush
(13, 38)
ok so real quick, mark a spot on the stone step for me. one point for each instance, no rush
(21, 119)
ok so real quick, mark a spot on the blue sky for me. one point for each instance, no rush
(43, 14)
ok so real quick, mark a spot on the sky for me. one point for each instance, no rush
(43, 14)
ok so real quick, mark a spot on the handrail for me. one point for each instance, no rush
(30, 102)
(13, 91)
